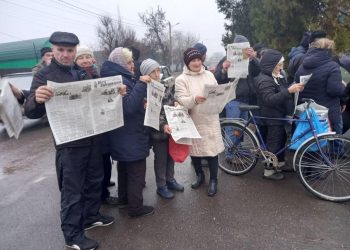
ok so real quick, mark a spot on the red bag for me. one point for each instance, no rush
(178, 152)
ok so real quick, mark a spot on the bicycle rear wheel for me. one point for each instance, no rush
(326, 172)
(241, 149)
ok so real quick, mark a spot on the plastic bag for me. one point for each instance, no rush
(178, 152)
(321, 126)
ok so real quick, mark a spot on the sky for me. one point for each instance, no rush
(23, 19)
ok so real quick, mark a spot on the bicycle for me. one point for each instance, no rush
(322, 161)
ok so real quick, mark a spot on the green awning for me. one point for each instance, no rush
(22, 54)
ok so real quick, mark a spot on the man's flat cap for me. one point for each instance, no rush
(64, 38)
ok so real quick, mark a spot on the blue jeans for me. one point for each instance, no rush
(233, 111)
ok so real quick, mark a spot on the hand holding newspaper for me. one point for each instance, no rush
(10, 112)
(84, 108)
(217, 96)
(182, 127)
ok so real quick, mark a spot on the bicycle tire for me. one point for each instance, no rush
(244, 154)
(327, 182)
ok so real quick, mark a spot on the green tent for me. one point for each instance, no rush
(21, 55)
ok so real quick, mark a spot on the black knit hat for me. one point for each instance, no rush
(317, 35)
(190, 54)
(305, 40)
(44, 50)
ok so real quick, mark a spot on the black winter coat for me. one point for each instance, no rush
(130, 142)
(325, 86)
(57, 73)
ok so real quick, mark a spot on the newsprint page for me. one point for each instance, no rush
(84, 108)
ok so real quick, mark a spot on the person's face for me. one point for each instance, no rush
(64, 55)
(130, 65)
(155, 74)
(84, 61)
(278, 68)
(195, 65)
(47, 57)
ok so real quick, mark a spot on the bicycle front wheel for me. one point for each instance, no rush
(325, 170)
(241, 149)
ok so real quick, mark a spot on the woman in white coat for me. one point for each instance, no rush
(189, 88)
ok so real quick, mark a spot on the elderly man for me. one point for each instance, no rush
(78, 163)
(46, 57)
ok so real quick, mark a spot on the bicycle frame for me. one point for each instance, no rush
(252, 119)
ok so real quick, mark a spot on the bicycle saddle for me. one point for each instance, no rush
(245, 107)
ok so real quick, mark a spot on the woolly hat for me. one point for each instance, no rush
(118, 56)
(83, 50)
(240, 39)
(190, 54)
(44, 50)
(269, 60)
(317, 35)
(201, 48)
(147, 66)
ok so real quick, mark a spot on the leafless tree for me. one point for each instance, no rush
(181, 42)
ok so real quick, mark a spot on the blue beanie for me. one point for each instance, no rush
(201, 48)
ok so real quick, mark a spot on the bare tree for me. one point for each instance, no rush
(156, 37)
(181, 42)
(112, 34)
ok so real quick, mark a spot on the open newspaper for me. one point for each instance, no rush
(84, 108)
(217, 97)
(155, 93)
(182, 127)
(236, 54)
(10, 112)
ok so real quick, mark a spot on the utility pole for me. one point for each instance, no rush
(171, 43)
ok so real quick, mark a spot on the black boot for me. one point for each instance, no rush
(213, 184)
(200, 180)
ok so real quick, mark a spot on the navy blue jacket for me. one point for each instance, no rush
(296, 57)
(325, 86)
(130, 142)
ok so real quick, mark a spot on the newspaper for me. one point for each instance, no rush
(236, 54)
(303, 81)
(10, 112)
(182, 127)
(155, 93)
(84, 108)
(217, 97)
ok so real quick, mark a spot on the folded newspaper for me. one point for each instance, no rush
(84, 108)
(236, 54)
(10, 111)
(155, 93)
(182, 127)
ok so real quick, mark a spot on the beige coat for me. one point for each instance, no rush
(187, 86)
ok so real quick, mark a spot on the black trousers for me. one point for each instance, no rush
(163, 163)
(80, 174)
(107, 169)
(276, 139)
(213, 163)
(131, 179)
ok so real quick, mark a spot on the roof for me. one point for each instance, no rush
(22, 54)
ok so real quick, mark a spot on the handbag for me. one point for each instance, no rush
(321, 126)
(178, 152)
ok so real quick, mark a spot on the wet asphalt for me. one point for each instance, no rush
(247, 213)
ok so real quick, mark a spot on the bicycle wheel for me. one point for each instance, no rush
(241, 149)
(325, 172)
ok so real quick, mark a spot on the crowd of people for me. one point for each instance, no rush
(84, 166)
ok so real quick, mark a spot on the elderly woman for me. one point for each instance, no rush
(189, 88)
(85, 60)
(129, 144)
(276, 101)
(325, 86)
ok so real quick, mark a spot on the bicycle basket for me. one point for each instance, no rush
(321, 126)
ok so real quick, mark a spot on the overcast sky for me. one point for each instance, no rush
(23, 19)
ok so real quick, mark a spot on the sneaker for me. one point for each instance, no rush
(144, 211)
(272, 174)
(99, 221)
(85, 244)
(165, 193)
(173, 185)
(115, 201)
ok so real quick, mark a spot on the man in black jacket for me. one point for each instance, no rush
(78, 163)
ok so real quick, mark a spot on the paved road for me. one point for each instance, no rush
(247, 213)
